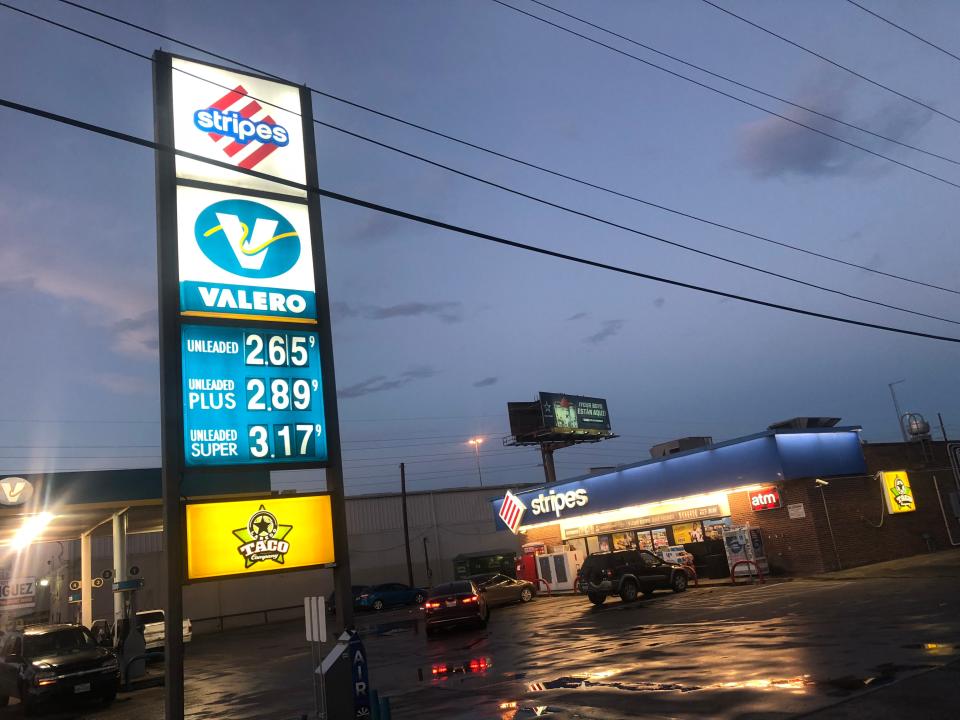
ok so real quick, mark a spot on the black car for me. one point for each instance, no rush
(46, 662)
(627, 572)
(500, 589)
(455, 603)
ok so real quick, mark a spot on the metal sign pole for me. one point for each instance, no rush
(170, 384)
(334, 470)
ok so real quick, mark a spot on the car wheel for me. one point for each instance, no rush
(29, 704)
(526, 595)
(484, 619)
(108, 697)
(597, 598)
(679, 582)
(628, 591)
(418, 599)
(378, 605)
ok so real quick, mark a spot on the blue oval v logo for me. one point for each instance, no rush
(247, 238)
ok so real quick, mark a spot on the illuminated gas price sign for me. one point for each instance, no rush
(251, 396)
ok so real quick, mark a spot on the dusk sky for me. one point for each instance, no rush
(435, 332)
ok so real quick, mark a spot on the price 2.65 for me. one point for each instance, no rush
(278, 350)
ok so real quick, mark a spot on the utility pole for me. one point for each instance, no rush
(476, 442)
(896, 406)
(406, 529)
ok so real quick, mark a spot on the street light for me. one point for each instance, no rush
(477, 442)
(896, 406)
(31, 529)
(822, 484)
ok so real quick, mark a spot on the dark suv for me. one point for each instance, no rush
(627, 572)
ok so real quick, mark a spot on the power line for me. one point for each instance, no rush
(564, 208)
(903, 29)
(815, 54)
(751, 88)
(550, 171)
(357, 202)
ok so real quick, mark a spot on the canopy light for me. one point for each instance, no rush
(30, 530)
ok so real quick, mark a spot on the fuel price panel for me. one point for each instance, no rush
(252, 397)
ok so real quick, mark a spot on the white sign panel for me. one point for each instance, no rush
(315, 617)
(18, 593)
(797, 511)
(239, 119)
(244, 257)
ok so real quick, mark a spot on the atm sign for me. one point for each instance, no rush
(767, 498)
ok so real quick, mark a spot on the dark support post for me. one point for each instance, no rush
(334, 470)
(942, 428)
(426, 561)
(170, 400)
(546, 452)
(406, 529)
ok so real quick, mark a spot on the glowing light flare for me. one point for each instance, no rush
(31, 529)
(475, 441)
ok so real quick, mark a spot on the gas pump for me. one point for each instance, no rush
(128, 634)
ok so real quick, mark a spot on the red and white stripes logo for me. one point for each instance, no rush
(235, 112)
(511, 512)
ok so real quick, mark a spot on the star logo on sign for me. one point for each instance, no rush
(263, 538)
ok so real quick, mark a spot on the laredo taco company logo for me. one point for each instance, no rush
(247, 238)
(263, 538)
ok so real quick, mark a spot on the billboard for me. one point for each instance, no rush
(568, 413)
(249, 537)
(18, 593)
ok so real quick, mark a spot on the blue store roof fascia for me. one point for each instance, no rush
(763, 458)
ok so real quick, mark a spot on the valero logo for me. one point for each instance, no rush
(247, 238)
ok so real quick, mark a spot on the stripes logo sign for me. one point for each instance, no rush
(511, 512)
(241, 128)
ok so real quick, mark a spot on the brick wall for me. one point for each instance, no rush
(548, 534)
(793, 546)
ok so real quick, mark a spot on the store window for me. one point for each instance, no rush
(688, 533)
(593, 545)
(624, 541)
(660, 538)
(579, 545)
(605, 543)
(644, 540)
(713, 529)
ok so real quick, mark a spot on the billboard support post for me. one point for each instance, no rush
(170, 383)
(406, 526)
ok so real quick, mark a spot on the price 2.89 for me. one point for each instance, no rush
(283, 394)
(278, 349)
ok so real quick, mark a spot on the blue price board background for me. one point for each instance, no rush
(251, 397)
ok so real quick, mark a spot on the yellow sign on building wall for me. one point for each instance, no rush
(245, 537)
(897, 492)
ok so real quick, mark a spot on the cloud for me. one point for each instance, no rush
(608, 329)
(127, 384)
(772, 147)
(448, 312)
(486, 382)
(659, 302)
(578, 316)
(137, 336)
(381, 383)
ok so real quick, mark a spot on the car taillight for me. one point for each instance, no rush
(468, 600)
(609, 573)
(441, 669)
(432, 605)
(480, 664)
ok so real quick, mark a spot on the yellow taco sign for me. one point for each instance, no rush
(245, 537)
(897, 492)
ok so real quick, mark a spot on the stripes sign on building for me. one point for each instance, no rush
(511, 512)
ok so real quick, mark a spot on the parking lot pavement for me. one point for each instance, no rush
(763, 651)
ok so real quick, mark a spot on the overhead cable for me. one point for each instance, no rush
(912, 34)
(143, 142)
(541, 168)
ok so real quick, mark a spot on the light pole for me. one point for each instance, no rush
(477, 442)
(822, 484)
(896, 406)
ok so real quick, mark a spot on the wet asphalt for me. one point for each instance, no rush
(874, 642)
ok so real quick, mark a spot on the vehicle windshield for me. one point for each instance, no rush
(59, 642)
(454, 588)
(481, 580)
(150, 617)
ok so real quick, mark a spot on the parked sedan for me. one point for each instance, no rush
(455, 603)
(331, 603)
(44, 662)
(377, 597)
(500, 589)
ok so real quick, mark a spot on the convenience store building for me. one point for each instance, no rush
(816, 494)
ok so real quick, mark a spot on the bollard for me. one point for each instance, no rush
(420, 674)
(385, 708)
(374, 705)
